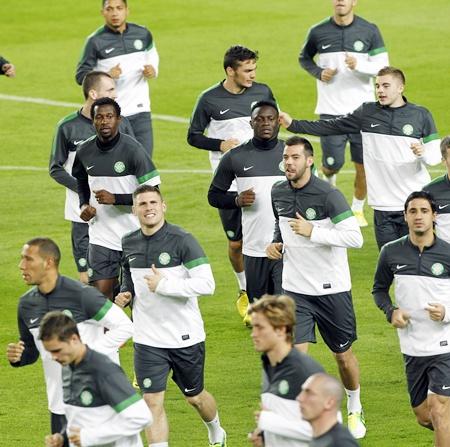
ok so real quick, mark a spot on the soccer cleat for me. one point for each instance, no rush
(357, 424)
(220, 444)
(242, 303)
(135, 382)
(247, 320)
(362, 222)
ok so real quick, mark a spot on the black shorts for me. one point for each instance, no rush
(80, 244)
(334, 316)
(333, 148)
(58, 424)
(152, 366)
(231, 223)
(389, 226)
(142, 128)
(263, 276)
(103, 262)
(427, 373)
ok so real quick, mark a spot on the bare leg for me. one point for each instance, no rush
(159, 430)
(302, 347)
(235, 255)
(360, 182)
(440, 416)
(106, 286)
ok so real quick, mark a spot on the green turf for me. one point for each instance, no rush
(44, 40)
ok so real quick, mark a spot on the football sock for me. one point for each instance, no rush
(357, 205)
(240, 276)
(215, 431)
(331, 179)
(353, 400)
(159, 444)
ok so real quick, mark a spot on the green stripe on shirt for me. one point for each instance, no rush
(127, 402)
(342, 216)
(102, 312)
(148, 176)
(196, 262)
(377, 51)
(433, 136)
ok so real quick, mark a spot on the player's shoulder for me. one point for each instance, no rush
(86, 144)
(28, 297)
(362, 22)
(101, 364)
(68, 119)
(137, 27)
(176, 231)
(211, 92)
(281, 186)
(259, 87)
(436, 183)
(131, 237)
(395, 245)
(321, 25)
(96, 34)
(417, 109)
(304, 362)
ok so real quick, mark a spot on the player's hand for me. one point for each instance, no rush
(74, 436)
(400, 318)
(350, 61)
(84, 277)
(122, 299)
(14, 351)
(87, 212)
(284, 119)
(149, 71)
(245, 198)
(226, 145)
(301, 226)
(417, 149)
(9, 70)
(115, 72)
(55, 440)
(436, 311)
(255, 437)
(153, 280)
(105, 197)
(274, 250)
(327, 74)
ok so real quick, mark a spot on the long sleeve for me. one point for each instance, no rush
(378, 56)
(279, 425)
(277, 237)
(306, 57)
(345, 233)
(152, 57)
(381, 285)
(3, 61)
(218, 195)
(79, 172)
(431, 141)
(87, 62)
(221, 199)
(127, 281)
(31, 353)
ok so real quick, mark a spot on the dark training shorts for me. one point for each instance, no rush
(389, 226)
(231, 223)
(103, 262)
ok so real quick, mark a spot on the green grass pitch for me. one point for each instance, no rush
(44, 39)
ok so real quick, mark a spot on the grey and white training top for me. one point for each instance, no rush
(439, 188)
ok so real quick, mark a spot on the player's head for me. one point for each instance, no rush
(420, 213)
(298, 157)
(105, 113)
(98, 84)
(60, 337)
(445, 147)
(273, 321)
(149, 207)
(264, 120)
(39, 258)
(389, 86)
(320, 398)
(115, 13)
(239, 64)
(343, 8)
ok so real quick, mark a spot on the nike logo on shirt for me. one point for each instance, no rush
(223, 111)
(33, 320)
(399, 267)
(441, 207)
(89, 167)
(246, 169)
(444, 387)
(131, 259)
(77, 142)
(107, 51)
(374, 125)
(324, 47)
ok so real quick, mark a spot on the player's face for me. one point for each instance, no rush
(265, 337)
(106, 88)
(264, 122)
(244, 75)
(149, 209)
(389, 90)
(343, 8)
(311, 400)
(32, 265)
(446, 160)
(106, 122)
(115, 13)
(420, 217)
(296, 162)
(63, 352)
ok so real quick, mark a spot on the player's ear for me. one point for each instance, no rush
(309, 161)
(164, 207)
(92, 94)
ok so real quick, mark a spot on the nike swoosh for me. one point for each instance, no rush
(279, 210)
(324, 47)
(445, 387)
(131, 259)
(375, 125)
(223, 111)
(107, 51)
(441, 207)
(77, 142)
(33, 320)
(246, 169)
(399, 267)
(89, 167)
(189, 391)
(341, 345)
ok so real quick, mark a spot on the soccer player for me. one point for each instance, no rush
(223, 113)
(399, 140)
(285, 369)
(102, 407)
(320, 401)
(6, 68)
(255, 166)
(165, 270)
(72, 130)
(314, 227)
(419, 266)
(88, 307)
(350, 52)
(439, 188)
(128, 53)
(110, 166)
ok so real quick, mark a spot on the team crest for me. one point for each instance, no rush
(68, 313)
(230, 233)
(147, 382)
(330, 161)
(86, 398)
(90, 272)
(283, 387)
(164, 258)
(311, 213)
(119, 167)
(281, 166)
(82, 262)
(138, 44)
(358, 45)
(437, 269)
(407, 129)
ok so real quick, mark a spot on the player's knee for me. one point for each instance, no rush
(155, 404)
(439, 414)
(328, 170)
(423, 417)
(198, 400)
(345, 359)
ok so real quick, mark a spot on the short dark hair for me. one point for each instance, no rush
(105, 102)
(396, 72)
(91, 81)
(421, 195)
(264, 103)
(296, 140)
(445, 145)
(57, 324)
(146, 188)
(237, 54)
(47, 248)
(104, 1)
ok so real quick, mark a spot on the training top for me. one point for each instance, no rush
(419, 278)
(348, 89)
(92, 312)
(120, 167)
(336, 436)
(392, 169)
(224, 115)
(102, 403)
(281, 419)
(439, 188)
(132, 49)
(72, 130)
(169, 317)
(315, 265)
(258, 165)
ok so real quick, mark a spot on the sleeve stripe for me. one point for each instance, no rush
(127, 403)
(103, 310)
(433, 136)
(342, 216)
(376, 51)
(148, 176)
(196, 262)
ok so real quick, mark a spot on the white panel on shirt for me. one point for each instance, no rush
(161, 321)
(72, 206)
(443, 226)
(258, 221)
(422, 336)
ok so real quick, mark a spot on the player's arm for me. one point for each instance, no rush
(125, 127)
(25, 351)
(218, 194)
(80, 173)
(430, 140)
(151, 58)
(306, 57)
(6, 68)
(275, 249)
(299, 429)
(87, 62)
(127, 285)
